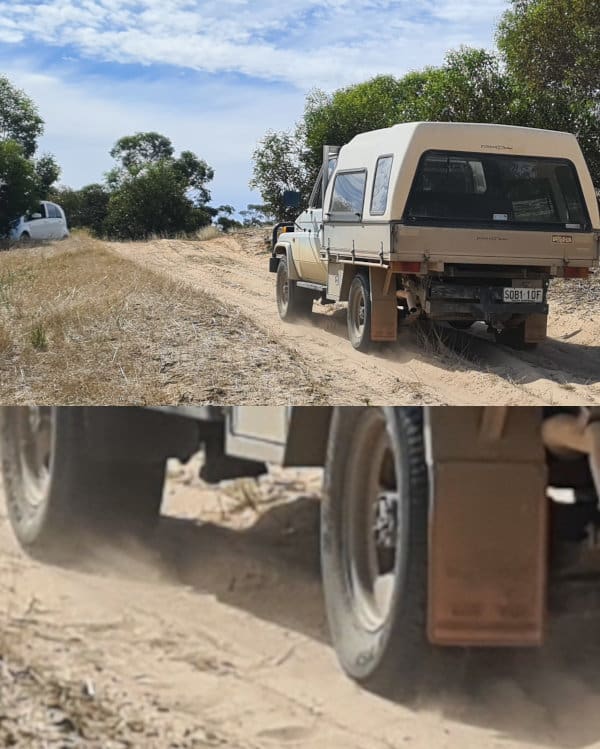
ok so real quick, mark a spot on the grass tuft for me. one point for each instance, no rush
(206, 233)
(38, 337)
(5, 339)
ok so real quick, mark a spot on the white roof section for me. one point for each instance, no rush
(462, 136)
(408, 141)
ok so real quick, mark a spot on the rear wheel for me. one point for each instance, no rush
(359, 313)
(374, 546)
(292, 301)
(462, 324)
(55, 487)
(25, 237)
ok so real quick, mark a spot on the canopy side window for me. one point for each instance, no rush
(381, 185)
(348, 195)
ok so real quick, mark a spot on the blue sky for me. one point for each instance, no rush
(213, 76)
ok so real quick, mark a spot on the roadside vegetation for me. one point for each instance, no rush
(78, 324)
(24, 176)
(150, 191)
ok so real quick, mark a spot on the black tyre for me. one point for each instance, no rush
(359, 313)
(514, 338)
(25, 238)
(55, 487)
(374, 546)
(462, 324)
(292, 302)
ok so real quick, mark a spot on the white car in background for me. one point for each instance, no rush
(48, 221)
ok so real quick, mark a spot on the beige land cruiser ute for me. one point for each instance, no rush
(446, 221)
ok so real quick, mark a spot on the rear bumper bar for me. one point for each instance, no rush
(455, 302)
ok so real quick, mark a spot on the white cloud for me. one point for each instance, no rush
(209, 67)
(302, 42)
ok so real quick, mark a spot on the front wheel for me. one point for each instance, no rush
(56, 488)
(374, 546)
(292, 301)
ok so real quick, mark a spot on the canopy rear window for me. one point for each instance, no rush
(517, 191)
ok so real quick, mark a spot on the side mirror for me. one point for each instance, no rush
(291, 199)
(36, 215)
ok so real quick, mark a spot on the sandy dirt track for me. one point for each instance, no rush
(212, 634)
(465, 368)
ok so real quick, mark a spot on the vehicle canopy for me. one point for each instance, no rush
(381, 166)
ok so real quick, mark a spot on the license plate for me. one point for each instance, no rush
(517, 294)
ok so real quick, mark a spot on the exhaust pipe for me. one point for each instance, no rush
(568, 436)
(410, 301)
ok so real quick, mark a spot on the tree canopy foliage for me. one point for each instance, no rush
(19, 118)
(23, 179)
(134, 152)
(18, 185)
(47, 171)
(545, 75)
(280, 163)
(153, 192)
(551, 50)
(553, 44)
(84, 208)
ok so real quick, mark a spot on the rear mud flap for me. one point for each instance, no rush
(384, 307)
(536, 328)
(488, 526)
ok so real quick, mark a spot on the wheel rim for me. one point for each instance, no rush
(358, 313)
(34, 432)
(283, 289)
(371, 523)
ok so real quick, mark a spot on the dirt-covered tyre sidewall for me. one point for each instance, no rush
(292, 302)
(387, 659)
(359, 290)
(80, 493)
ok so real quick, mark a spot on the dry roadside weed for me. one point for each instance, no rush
(80, 325)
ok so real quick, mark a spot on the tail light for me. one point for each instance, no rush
(406, 267)
(573, 272)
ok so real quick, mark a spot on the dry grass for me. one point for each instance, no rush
(42, 705)
(450, 346)
(80, 325)
(206, 233)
